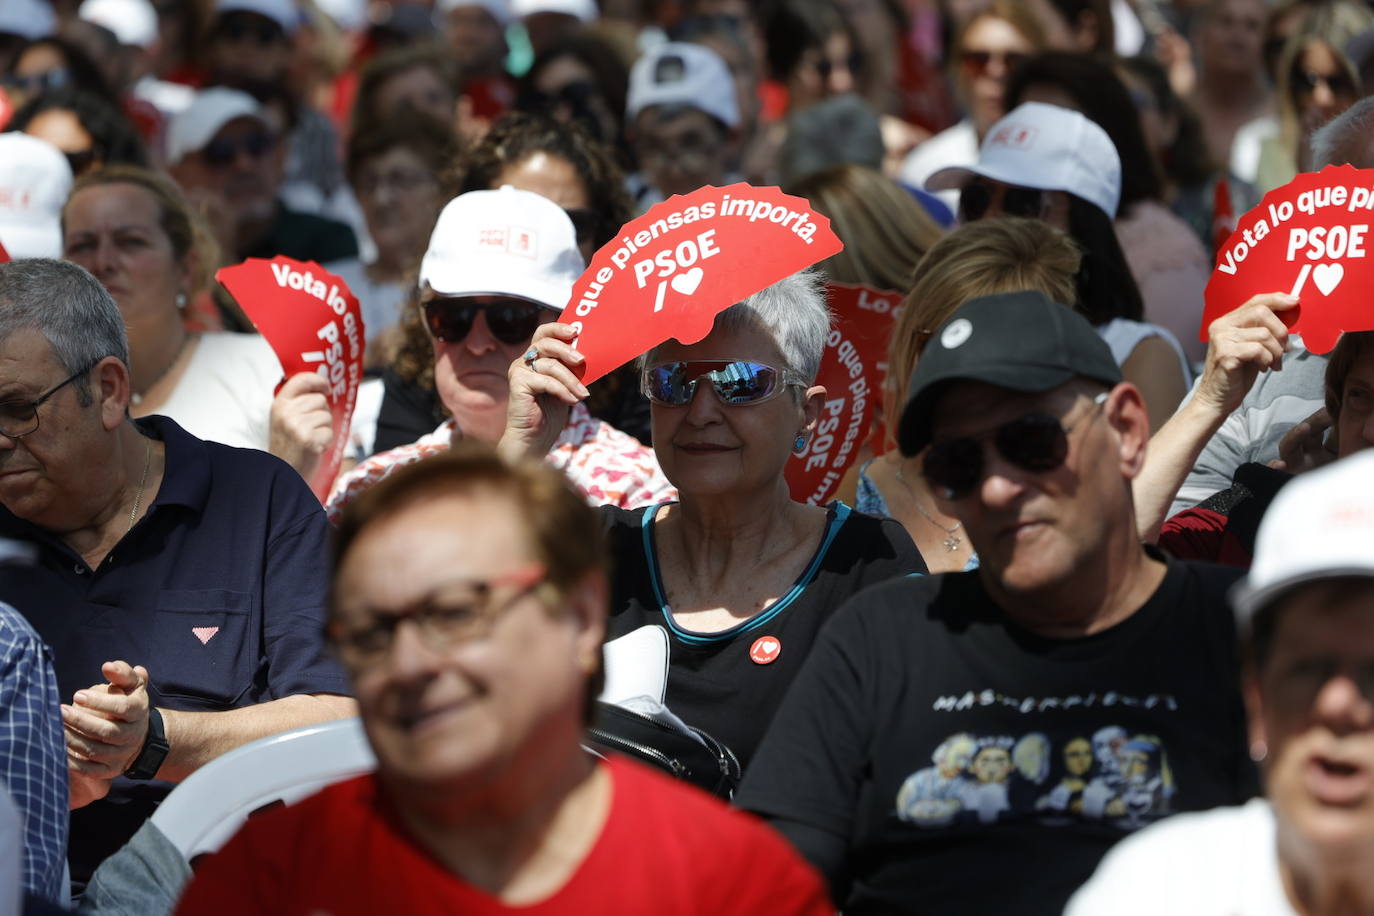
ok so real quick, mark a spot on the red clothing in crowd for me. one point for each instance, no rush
(666, 848)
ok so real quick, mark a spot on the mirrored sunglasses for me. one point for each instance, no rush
(734, 382)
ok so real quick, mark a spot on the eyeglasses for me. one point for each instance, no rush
(19, 417)
(225, 150)
(978, 197)
(39, 83)
(735, 382)
(512, 321)
(399, 181)
(1036, 442)
(976, 63)
(458, 612)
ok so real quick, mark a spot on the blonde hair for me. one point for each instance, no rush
(884, 230)
(977, 259)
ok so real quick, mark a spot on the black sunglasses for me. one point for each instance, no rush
(1306, 82)
(977, 197)
(1036, 442)
(512, 321)
(976, 63)
(225, 150)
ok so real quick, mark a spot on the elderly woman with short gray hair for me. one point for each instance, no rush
(740, 575)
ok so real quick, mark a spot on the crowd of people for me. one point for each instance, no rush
(1088, 626)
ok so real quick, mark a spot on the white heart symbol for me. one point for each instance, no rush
(1327, 277)
(768, 646)
(687, 283)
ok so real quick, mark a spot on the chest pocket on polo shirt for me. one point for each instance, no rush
(204, 647)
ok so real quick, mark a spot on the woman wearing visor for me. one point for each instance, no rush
(740, 575)
(499, 264)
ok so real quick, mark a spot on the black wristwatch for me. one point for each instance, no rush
(155, 748)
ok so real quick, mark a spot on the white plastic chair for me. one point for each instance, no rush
(204, 811)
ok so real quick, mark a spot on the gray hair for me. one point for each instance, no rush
(69, 307)
(792, 311)
(1347, 139)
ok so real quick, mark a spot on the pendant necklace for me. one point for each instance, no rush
(952, 541)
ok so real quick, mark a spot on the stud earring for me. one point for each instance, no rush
(181, 300)
(799, 446)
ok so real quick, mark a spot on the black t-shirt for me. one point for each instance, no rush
(714, 682)
(933, 757)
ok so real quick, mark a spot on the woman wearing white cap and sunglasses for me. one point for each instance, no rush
(501, 263)
(740, 575)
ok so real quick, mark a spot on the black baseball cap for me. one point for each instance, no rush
(1022, 341)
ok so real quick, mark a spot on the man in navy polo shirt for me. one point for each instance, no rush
(181, 584)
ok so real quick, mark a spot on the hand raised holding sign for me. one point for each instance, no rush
(301, 425)
(1241, 344)
(543, 388)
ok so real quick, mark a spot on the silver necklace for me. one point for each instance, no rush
(138, 497)
(952, 541)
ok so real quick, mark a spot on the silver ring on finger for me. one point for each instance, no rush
(530, 356)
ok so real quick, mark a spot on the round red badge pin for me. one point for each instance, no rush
(765, 650)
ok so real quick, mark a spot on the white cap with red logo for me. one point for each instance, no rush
(503, 243)
(1320, 526)
(1045, 147)
(34, 182)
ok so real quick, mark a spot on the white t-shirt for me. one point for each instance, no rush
(225, 394)
(1222, 862)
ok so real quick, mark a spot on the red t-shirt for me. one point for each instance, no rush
(666, 848)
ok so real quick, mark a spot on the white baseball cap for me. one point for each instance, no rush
(134, 22)
(679, 73)
(1045, 147)
(195, 126)
(503, 243)
(283, 12)
(35, 180)
(31, 19)
(1319, 526)
(499, 9)
(584, 10)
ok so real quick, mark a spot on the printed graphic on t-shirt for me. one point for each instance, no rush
(1108, 775)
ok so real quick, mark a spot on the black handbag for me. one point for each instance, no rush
(706, 764)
